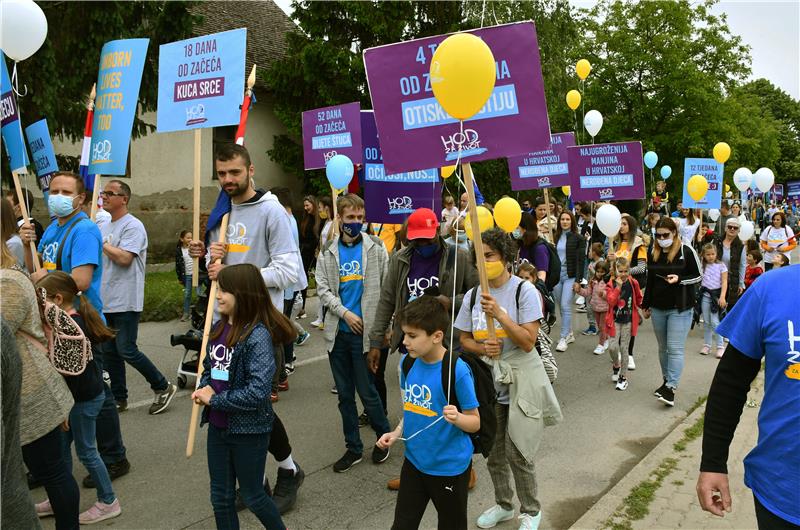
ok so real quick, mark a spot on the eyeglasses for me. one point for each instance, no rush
(111, 194)
(734, 228)
(663, 235)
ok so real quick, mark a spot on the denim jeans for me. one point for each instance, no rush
(241, 457)
(82, 426)
(351, 375)
(563, 294)
(109, 434)
(187, 293)
(710, 323)
(123, 349)
(671, 328)
(44, 458)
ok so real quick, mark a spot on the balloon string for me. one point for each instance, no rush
(15, 82)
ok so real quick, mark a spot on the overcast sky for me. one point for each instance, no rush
(771, 29)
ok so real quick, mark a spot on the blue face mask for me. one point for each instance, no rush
(352, 229)
(60, 205)
(462, 237)
(427, 251)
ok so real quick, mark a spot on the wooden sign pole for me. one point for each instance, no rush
(212, 295)
(198, 137)
(480, 260)
(23, 207)
(335, 212)
(547, 216)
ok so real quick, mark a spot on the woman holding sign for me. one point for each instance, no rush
(673, 272)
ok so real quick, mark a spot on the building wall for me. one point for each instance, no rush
(162, 167)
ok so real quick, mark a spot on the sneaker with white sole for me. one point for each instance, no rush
(631, 363)
(705, 350)
(562, 344)
(162, 399)
(591, 330)
(302, 339)
(622, 384)
(570, 338)
(317, 323)
(44, 509)
(614, 374)
(529, 522)
(599, 350)
(100, 511)
(492, 516)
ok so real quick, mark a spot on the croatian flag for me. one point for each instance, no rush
(88, 180)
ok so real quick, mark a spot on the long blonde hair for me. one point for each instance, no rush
(7, 259)
(669, 224)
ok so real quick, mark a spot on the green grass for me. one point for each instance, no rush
(689, 434)
(163, 297)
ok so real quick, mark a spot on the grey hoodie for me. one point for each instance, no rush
(260, 233)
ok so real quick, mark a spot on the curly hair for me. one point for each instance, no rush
(500, 242)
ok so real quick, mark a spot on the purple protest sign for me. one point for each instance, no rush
(331, 131)
(416, 133)
(391, 198)
(606, 171)
(542, 169)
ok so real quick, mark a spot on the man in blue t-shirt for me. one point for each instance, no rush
(350, 271)
(764, 324)
(73, 244)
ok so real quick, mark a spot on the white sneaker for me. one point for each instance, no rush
(599, 350)
(529, 522)
(492, 516)
(317, 323)
(562, 345)
(622, 384)
(631, 363)
(570, 338)
(579, 301)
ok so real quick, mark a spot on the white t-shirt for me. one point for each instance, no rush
(448, 216)
(188, 262)
(123, 287)
(687, 231)
(774, 237)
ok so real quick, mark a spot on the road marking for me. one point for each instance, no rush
(312, 360)
(144, 402)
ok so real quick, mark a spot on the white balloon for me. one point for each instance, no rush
(23, 28)
(713, 214)
(742, 178)
(764, 179)
(747, 230)
(608, 220)
(593, 122)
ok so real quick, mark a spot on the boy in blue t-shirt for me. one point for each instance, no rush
(438, 454)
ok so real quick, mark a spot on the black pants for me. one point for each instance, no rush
(449, 496)
(45, 460)
(279, 441)
(288, 349)
(769, 521)
(380, 377)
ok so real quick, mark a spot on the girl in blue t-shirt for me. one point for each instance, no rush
(235, 388)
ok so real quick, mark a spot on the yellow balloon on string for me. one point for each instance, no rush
(697, 187)
(447, 171)
(583, 68)
(462, 74)
(485, 221)
(507, 214)
(566, 190)
(722, 152)
(573, 99)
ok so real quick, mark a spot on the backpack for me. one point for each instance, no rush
(554, 264)
(482, 378)
(67, 346)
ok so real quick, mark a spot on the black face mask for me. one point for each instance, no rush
(427, 250)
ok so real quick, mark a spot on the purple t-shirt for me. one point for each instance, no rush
(422, 273)
(220, 356)
(712, 275)
(536, 254)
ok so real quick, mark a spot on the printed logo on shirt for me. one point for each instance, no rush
(49, 254)
(237, 238)
(417, 287)
(480, 331)
(220, 361)
(418, 399)
(793, 370)
(350, 272)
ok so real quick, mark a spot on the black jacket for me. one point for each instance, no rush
(180, 269)
(681, 296)
(576, 255)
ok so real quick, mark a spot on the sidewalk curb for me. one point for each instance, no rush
(610, 501)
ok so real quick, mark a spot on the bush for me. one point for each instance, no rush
(163, 297)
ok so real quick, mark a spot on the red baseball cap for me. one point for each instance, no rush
(422, 224)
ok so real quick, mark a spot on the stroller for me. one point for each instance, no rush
(192, 340)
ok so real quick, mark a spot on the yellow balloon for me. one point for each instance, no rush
(447, 171)
(507, 214)
(722, 152)
(697, 187)
(573, 99)
(462, 75)
(727, 188)
(566, 190)
(583, 68)
(485, 221)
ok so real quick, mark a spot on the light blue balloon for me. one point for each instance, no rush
(666, 171)
(339, 171)
(650, 159)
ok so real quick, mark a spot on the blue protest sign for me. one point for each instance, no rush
(42, 154)
(200, 81)
(118, 81)
(11, 126)
(713, 172)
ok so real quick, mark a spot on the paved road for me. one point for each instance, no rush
(604, 434)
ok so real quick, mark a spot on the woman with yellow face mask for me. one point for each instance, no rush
(525, 399)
